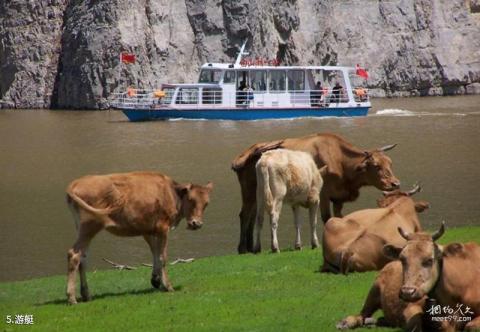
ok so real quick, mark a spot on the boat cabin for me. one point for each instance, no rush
(228, 85)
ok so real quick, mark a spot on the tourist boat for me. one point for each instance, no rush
(251, 90)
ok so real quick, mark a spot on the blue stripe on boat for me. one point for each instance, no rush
(242, 113)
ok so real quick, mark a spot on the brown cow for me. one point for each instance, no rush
(349, 168)
(384, 296)
(355, 242)
(450, 275)
(131, 204)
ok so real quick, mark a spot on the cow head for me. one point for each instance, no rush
(194, 201)
(421, 261)
(390, 197)
(376, 168)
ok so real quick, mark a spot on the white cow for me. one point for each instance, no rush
(291, 176)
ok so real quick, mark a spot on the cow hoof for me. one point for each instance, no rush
(168, 288)
(275, 250)
(86, 298)
(156, 282)
(298, 247)
(314, 245)
(342, 325)
(72, 301)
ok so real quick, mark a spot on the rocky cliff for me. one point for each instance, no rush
(65, 53)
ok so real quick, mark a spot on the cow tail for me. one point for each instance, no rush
(76, 217)
(97, 212)
(263, 181)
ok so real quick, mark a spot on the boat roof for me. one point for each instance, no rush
(211, 65)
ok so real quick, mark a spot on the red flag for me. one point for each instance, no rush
(127, 57)
(361, 72)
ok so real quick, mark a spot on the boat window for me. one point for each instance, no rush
(296, 80)
(258, 79)
(187, 96)
(277, 81)
(210, 76)
(229, 76)
(211, 96)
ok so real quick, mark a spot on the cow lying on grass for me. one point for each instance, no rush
(449, 275)
(355, 242)
(293, 177)
(349, 169)
(131, 204)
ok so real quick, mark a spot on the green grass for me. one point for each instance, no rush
(267, 292)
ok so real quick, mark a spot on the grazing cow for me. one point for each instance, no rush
(384, 295)
(293, 177)
(449, 274)
(131, 204)
(349, 168)
(355, 242)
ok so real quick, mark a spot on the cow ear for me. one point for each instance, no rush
(363, 165)
(209, 186)
(391, 251)
(183, 189)
(421, 206)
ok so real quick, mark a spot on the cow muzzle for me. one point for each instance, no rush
(194, 224)
(392, 185)
(410, 294)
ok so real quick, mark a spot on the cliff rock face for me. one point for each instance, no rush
(65, 53)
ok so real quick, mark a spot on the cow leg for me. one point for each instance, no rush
(163, 260)
(325, 207)
(158, 246)
(372, 304)
(298, 225)
(83, 278)
(247, 225)
(312, 212)
(75, 256)
(258, 227)
(413, 317)
(274, 216)
(250, 228)
(337, 209)
(152, 243)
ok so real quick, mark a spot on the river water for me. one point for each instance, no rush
(42, 151)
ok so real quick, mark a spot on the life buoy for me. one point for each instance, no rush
(159, 94)
(131, 92)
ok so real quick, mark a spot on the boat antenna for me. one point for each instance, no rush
(239, 56)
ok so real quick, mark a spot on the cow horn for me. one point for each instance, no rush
(387, 147)
(416, 189)
(438, 234)
(404, 234)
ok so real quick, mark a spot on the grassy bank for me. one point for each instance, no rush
(264, 292)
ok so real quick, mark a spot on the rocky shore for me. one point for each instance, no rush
(65, 53)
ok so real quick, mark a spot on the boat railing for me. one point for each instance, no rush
(140, 98)
(319, 98)
(133, 98)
